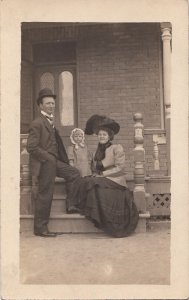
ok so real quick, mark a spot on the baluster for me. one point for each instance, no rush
(156, 156)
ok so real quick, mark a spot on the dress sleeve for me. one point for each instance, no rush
(119, 163)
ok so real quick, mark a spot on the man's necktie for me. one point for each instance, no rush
(50, 120)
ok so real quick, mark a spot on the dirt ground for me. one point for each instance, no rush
(95, 258)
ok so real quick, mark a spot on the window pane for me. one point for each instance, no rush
(66, 99)
(47, 81)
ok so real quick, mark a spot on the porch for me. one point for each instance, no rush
(151, 193)
(115, 69)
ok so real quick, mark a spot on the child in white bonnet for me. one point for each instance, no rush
(78, 154)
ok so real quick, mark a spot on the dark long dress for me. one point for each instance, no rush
(109, 206)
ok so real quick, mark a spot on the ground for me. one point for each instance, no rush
(143, 258)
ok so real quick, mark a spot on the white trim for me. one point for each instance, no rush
(162, 111)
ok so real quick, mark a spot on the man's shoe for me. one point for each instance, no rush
(58, 232)
(73, 210)
(46, 234)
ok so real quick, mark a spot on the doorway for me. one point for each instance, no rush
(55, 68)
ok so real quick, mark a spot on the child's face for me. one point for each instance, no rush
(78, 137)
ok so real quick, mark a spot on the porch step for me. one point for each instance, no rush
(59, 220)
(66, 223)
(74, 223)
(59, 187)
(58, 204)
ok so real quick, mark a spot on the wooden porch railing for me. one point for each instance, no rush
(157, 199)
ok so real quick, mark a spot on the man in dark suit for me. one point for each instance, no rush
(48, 159)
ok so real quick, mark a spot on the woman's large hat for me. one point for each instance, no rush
(96, 122)
(46, 92)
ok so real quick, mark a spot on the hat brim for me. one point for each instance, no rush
(112, 126)
(43, 96)
(48, 95)
(97, 122)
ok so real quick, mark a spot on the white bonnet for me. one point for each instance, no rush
(73, 132)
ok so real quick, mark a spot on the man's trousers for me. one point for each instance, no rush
(44, 195)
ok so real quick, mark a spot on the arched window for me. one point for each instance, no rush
(47, 81)
(66, 100)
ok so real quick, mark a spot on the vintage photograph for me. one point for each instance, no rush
(94, 149)
(95, 153)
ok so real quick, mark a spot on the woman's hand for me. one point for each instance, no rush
(71, 162)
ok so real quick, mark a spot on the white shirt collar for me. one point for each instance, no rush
(46, 115)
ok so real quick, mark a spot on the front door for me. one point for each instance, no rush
(62, 81)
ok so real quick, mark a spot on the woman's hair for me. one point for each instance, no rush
(108, 130)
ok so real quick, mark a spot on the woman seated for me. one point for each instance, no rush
(104, 197)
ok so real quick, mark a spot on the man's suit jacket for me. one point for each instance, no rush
(39, 143)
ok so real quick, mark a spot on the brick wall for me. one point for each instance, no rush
(119, 74)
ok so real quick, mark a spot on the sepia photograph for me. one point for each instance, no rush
(99, 189)
(103, 89)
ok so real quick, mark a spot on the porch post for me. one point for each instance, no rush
(166, 38)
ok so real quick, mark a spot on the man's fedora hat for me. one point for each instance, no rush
(97, 122)
(46, 92)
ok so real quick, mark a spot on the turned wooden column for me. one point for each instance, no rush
(156, 156)
(24, 164)
(166, 39)
(139, 163)
(26, 205)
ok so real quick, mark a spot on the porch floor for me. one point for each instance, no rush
(95, 258)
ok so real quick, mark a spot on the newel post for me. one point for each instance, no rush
(139, 163)
(26, 205)
(24, 164)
